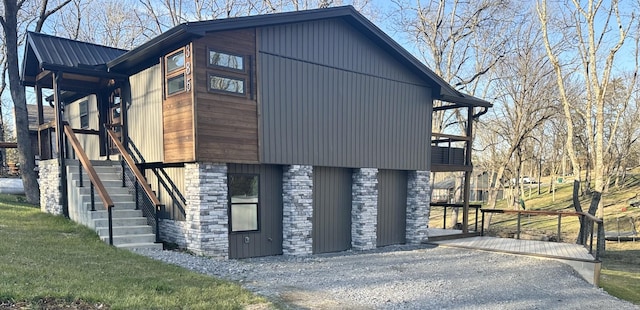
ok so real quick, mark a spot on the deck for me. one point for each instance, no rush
(574, 255)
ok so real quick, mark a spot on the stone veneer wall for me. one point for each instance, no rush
(418, 199)
(174, 232)
(50, 196)
(297, 199)
(364, 209)
(206, 223)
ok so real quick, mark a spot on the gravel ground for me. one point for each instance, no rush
(405, 277)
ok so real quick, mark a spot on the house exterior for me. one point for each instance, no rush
(291, 133)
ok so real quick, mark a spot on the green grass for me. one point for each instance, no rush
(44, 256)
(620, 275)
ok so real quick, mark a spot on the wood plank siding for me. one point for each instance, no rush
(226, 124)
(144, 115)
(330, 97)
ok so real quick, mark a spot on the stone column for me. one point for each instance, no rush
(50, 195)
(364, 209)
(297, 213)
(418, 199)
(207, 218)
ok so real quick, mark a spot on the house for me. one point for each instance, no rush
(290, 133)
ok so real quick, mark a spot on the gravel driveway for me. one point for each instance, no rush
(407, 277)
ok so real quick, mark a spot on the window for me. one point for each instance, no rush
(244, 201)
(84, 114)
(225, 60)
(178, 71)
(226, 84)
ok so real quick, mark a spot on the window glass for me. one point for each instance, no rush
(226, 60)
(175, 84)
(243, 190)
(84, 114)
(175, 61)
(226, 84)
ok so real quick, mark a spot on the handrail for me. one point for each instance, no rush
(132, 165)
(559, 214)
(455, 205)
(84, 160)
(93, 177)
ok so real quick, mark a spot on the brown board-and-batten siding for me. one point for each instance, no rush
(268, 239)
(329, 96)
(392, 207)
(226, 124)
(331, 231)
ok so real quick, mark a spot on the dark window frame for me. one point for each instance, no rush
(230, 204)
(175, 73)
(84, 115)
(231, 69)
(215, 90)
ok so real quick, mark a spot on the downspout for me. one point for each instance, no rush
(64, 199)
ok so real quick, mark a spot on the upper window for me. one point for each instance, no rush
(178, 71)
(226, 84)
(225, 60)
(84, 114)
(244, 200)
(175, 61)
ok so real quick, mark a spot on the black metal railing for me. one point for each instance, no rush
(585, 219)
(446, 206)
(132, 178)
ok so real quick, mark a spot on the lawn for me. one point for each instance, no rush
(46, 258)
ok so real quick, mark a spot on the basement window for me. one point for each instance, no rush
(244, 202)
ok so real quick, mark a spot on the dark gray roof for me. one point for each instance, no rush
(46, 52)
(150, 51)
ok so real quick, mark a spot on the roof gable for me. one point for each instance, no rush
(46, 52)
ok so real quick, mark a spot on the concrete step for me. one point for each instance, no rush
(116, 214)
(112, 190)
(124, 239)
(125, 230)
(106, 183)
(132, 246)
(116, 198)
(124, 205)
(131, 221)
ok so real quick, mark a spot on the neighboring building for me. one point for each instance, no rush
(290, 133)
(48, 114)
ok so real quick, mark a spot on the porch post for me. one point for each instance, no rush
(468, 173)
(38, 91)
(60, 143)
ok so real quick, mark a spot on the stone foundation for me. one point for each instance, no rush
(174, 232)
(206, 209)
(364, 209)
(50, 196)
(297, 198)
(418, 199)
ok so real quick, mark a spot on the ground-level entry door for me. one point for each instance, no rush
(392, 207)
(331, 230)
(255, 210)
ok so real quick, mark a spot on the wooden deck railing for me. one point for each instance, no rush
(140, 180)
(444, 206)
(585, 218)
(93, 177)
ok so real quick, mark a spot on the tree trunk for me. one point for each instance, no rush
(25, 153)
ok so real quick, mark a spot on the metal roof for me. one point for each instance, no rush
(173, 38)
(46, 52)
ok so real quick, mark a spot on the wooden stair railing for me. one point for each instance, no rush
(137, 174)
(93, 177)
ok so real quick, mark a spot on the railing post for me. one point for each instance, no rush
(591, 239)
(518, 227)
(157, 224)
(476, 221)
(135, 185)
(123, 173)
(93, 199)
(80, 172)
(110, 225)
(601, 243)
(559, 231)
(444, 218)
(482, 225)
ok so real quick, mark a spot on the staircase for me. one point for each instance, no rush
(130, 228)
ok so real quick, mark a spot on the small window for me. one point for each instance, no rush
(175, 61)
(244, 202)
(175, 84)
(226, 60)
(84, 114)
(226, 84)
